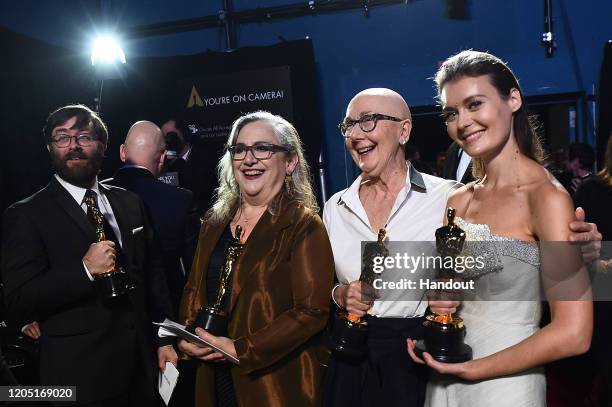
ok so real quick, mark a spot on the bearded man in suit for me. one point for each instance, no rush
(51, 260)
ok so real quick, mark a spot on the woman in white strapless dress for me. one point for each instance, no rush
(517, 203)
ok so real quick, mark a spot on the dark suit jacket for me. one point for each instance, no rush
(173, 218)
(100, 347)
(279, 306)
(452, 162)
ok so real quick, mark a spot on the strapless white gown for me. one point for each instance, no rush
(511, 274)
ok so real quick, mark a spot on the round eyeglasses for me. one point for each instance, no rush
(367, 123)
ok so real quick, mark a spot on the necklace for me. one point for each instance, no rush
(246, 227)
(246, 219)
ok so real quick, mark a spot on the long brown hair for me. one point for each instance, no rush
(474, 64)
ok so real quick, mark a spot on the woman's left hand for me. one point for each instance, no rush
(221, 342)
(461, 370)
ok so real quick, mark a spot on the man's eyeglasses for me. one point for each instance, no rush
(83, 140)
(367, 123)
(259, 151)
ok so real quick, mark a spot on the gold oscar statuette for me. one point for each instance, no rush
(349, 334)
(214, 318)
(116, 282)
(444, 334)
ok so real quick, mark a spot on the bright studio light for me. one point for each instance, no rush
(106, 50)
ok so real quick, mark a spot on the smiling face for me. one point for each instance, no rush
(477, 117)
(373, 151)
(78, 165)
(261, 180)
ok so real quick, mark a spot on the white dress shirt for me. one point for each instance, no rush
(464, 163)
(78, 194)
(416, 214)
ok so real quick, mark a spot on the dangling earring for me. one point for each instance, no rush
(289, 183)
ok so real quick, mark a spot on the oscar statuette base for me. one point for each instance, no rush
(349, 337)
(211, 320)
(112, 284)
(443, 340)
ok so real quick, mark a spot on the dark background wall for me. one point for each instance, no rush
(396, 46)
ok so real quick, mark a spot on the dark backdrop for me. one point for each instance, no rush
(36, 78)
(155, 88)
(604, 127)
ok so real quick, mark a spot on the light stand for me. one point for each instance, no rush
(108, 61)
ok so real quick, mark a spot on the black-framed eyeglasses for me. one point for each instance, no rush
(83, 140)
(367, 123)
(259, 151)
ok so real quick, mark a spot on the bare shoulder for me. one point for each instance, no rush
(547, 193)
(460, 198)
(551, 207)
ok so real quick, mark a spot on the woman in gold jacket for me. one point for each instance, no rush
(277, 301)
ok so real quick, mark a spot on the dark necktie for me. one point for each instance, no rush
(93, 211)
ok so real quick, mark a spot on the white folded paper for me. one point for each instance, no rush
(167, 382)
(170, 328)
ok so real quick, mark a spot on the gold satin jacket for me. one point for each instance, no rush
(279, 307)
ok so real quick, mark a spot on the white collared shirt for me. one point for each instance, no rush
(464, 163)
(78, 194)
(417, 212)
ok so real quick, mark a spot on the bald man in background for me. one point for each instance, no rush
(174, 221)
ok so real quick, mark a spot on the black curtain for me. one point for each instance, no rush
(604, 126)
(35, 78)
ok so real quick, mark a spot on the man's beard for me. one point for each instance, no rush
(80, 176)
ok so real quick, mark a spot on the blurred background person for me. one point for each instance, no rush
(178, 143)
(175, 223)
(440, 161)
(457, 165)
(579, 166)
(187, 160)
(595, 196)
(413, 154)
(174, 220)
(588, 379)
(278, 302)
